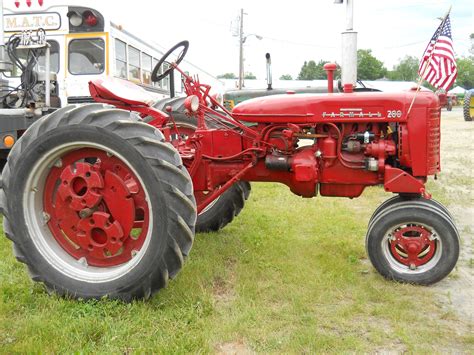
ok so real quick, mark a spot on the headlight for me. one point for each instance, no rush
(75, 19)
(191, 103)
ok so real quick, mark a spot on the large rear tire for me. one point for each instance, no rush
(468, 108)
(104, 206)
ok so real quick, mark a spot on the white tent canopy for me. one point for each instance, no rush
(457, 90)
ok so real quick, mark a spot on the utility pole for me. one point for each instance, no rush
(241, 56)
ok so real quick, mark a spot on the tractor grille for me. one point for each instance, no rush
(433, 141)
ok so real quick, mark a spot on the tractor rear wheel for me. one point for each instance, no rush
(227, 206)
(413, 242)
(468, 107)
(104, 206)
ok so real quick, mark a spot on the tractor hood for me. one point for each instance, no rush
(306, 108)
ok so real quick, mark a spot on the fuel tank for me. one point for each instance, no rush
(345, 107)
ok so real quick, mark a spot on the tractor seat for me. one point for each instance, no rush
(117, 91)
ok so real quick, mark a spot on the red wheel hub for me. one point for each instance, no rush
(412, 246)
(96, 207)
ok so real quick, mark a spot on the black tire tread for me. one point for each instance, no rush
(389, 203)
(229, 207)
(467, 105)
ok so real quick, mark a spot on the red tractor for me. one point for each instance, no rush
(104, 199)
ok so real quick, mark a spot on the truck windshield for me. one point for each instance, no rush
(86, 56)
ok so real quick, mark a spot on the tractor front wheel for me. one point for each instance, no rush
(413, 242)
(403, 198)
(104, 207)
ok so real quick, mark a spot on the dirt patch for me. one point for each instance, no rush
(223, 288)
(234, 348)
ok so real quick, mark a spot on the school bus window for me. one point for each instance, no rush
(86, 56)
(40, 66)
(166, 80)
(146, 69)
(156, 83)
(133, 64)
(120, 59)
(183, 79)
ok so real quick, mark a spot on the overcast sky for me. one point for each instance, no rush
(292, 31)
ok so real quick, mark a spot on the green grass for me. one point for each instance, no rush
(288, 275)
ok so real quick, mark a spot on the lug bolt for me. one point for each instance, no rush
(46, 217)
(83, 261)
(86, 212)
(58, 163)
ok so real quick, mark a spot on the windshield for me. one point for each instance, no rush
(86, 56)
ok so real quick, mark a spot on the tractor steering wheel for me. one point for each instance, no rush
(154, 75)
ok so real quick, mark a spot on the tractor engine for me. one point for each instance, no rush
(345, 142)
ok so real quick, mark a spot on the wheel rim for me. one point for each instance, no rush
(87, 212)
(412, 248)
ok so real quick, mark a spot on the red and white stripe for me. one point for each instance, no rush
(438, 65)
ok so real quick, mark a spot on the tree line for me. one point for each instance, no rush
(371, 68)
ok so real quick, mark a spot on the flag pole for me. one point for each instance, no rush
(420, 79)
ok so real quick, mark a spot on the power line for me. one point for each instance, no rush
(298, 43)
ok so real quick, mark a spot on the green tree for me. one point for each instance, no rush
(465, 72)
(472, 43)
(286, 77)
(249, 76)
(406, 70)
(312, 71)
(369, 67)
(227, 76)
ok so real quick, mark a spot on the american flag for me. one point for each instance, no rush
(438, 65)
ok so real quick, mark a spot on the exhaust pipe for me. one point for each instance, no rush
(269, 71)
(330, 68)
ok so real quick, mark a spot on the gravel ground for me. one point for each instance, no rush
(457, 180)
